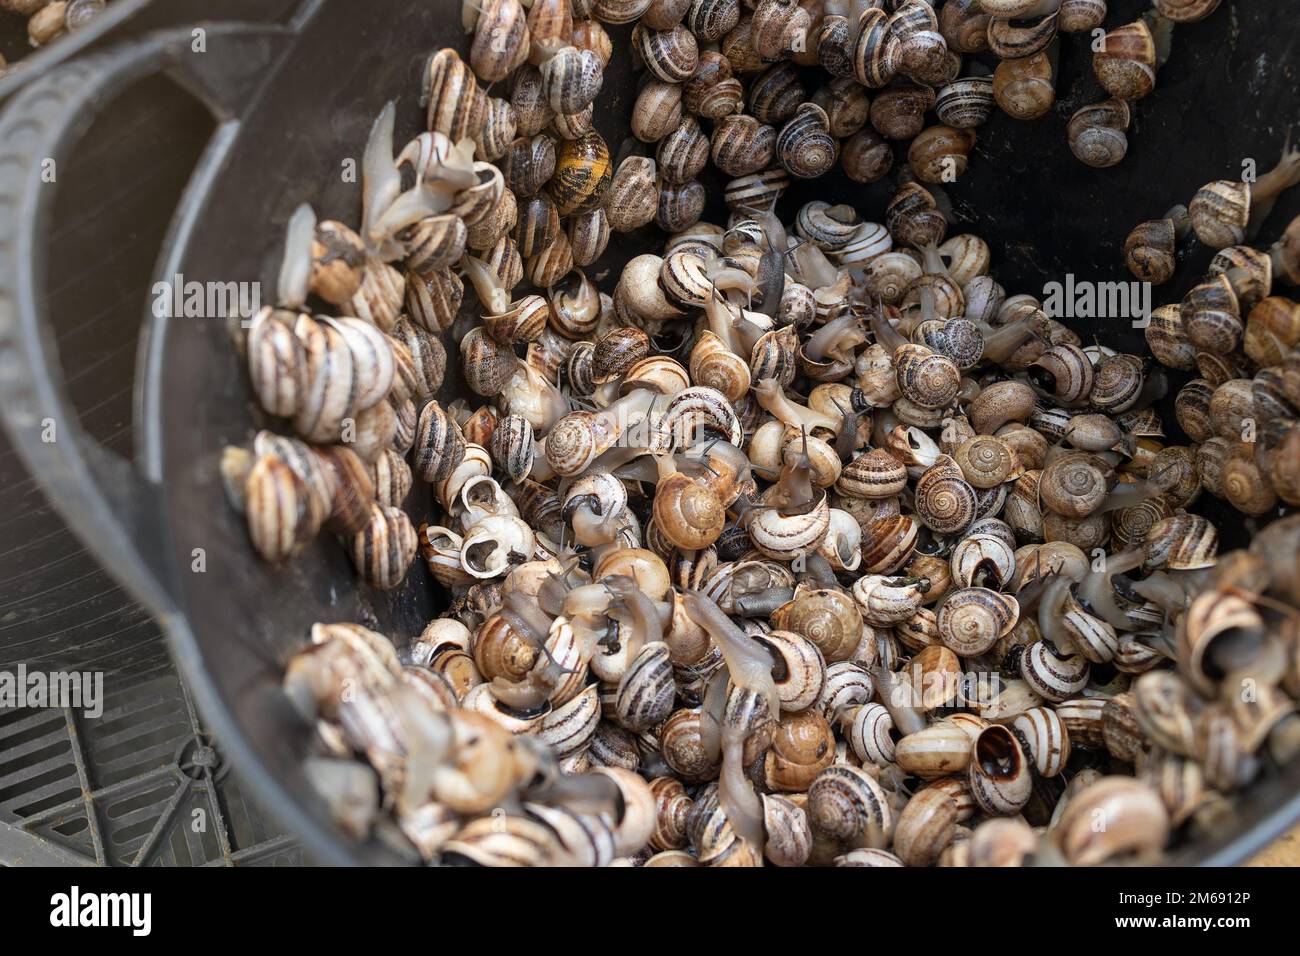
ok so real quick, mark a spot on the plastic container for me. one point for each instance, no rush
(287, 105)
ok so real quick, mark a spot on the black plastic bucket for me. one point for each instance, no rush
(267, 115)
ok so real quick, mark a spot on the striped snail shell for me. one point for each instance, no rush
(487, 363)
(983, 560)
(1212, 316)
(758, 190)
(966, 103)
(1272, 330)
(928, 378)
(683, 153)
(646, 691)
(805, 146)
(378, 300)
(1097, 134)
(512, 446)
(1064, 372)
(657, 110)
(972, 619)
(500, 127)
(711, 20)
(936, 751)
(774, 25)
(533, 112)
(671, 55)
(848, 806)
(279, 507)
(1186, 11)
(456, 102)
(913, 217)
(1022, 37)
(1043, 735)
(617, 351)
(712, 92)
(741, 145)
(528, 164)
(715, 365)
(776, 95)
(1073, 485)
(875, 53)
(888, 543)
(784, 537)
(1117, 383)
(588, 236)
(439, 447)
(1051, 677)
(538, 225)
(1126, 62)
(1001, 780)
(680, 207)
(435, 242)
(421, 359)
(383, 550)
(277, 362)
(873, 474)
(571, 78)
(945, 501)
(835, 41)
(500, 39)
(870, 734)
(391, 477)
(1151, 252)
(353, 489)
(582, 174)
(1083, 16)
(331, 385)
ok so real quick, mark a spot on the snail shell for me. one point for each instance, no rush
(888, 543)
(682, 748)
(1097, 134)
(966, 103)
(1051, 677)
(687, 512)
(741, 145)
(683, 153)
(985, 461)
(582, 175)
(711, 20)
(848, 806)
(1150, 251)
(456, 103)
(1167, 339)
(937, 751)
(646, 691)
(1000, 777)
(805, 146)
(776, 95)
(680, 207)
(1220, 213)
(1125, 64)
(712, 92)
(945, 501)
(1044, 738)
(501, 40)
(875, 53)
(973, 619)
(866, 156)
(671, 55)
(1025, 88)
(657, 111)
(1187, 11)
(383, 550)
(1020, 38)
(571, 79)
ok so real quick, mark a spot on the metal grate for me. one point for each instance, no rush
(142, 784)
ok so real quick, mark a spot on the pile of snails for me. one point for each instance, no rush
(807, 544)
(1237, 334)
(47, 20)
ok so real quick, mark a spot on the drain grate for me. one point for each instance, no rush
(142, 783)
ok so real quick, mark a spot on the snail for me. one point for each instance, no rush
(1224, 213)
(1151, 252)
